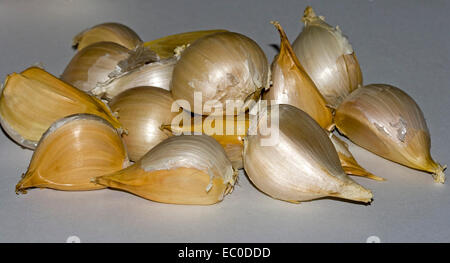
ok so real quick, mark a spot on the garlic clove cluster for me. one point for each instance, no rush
(328, 58)
(180, 170)
(288, 156)
(292, 85)
(32, 100)
(73, 151)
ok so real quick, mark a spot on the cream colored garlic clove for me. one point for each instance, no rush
(190, 169)
(73, 151)
(292, 85)
(107, 32)
(221, 68)
(32, 100)
(142, 111)
(328, 58)
(296, 161)
(386, 121)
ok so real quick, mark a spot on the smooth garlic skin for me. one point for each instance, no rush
(222, 66)
(107, 32)
(301, 164)
(93, 64)
(32, 100)
(328, 58)
(189, 169)
(386, 121)
(142, 111)
(73, 151)
(292, 85)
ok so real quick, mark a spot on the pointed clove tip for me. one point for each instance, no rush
(439, 175)
(308, 15)
(355, 192)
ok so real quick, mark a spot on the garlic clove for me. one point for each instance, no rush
(386, 121)
(293, 159)
(180, 170)
(165, 47)
(223, 69)
(292, 85)
(73, 151)
(107, 32)
(348, 162)
(32, 100)
(328, 58)
(142, 111)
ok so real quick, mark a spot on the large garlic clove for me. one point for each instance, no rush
(328, 58)
(348, 162)
(288, 156)
(165, 47)
(292, 85)
(386, 121)
(73, 151)
(107, 32)
(223, 70)
(32, 100)
(190, 169)
(142, 111)
(156, 74)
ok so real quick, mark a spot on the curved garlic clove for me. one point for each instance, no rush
(156, 74)
(295, 160)
(180, 170)
(348, 162)
(328, 58)
(73, 151)
(386, 121)
(165, 47)
(142, 111)
(222, 69)
(107, 32)
(32, 100)
(292, 85)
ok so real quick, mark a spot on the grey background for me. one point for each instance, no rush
(403, 43)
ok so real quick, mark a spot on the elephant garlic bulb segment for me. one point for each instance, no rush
(188, 169)
(292, 85)
(32, 100)
(328, 58)
(224, 69)
(295, 160)
(142, 111)
(107, 32)
(386, 121)
(73, 151)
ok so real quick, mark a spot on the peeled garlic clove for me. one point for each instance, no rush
(107, 32)
(73, 151)
(292, 85)
(295, 160)
(142, 111)
(328, 58)
(180, 170)
(32, 100)
(348, 162)
(156, 74)
(386, 121)
(165, 46)
(220, 69)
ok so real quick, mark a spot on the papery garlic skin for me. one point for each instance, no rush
(190, 169)
(73, 151)
(328, 58)
(107, 32)
(386, 121)
(292, 85)
(303, 163)
(142, 111)
(32, 100)
(221, 67)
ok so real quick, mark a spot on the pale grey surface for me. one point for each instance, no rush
(404, 43)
